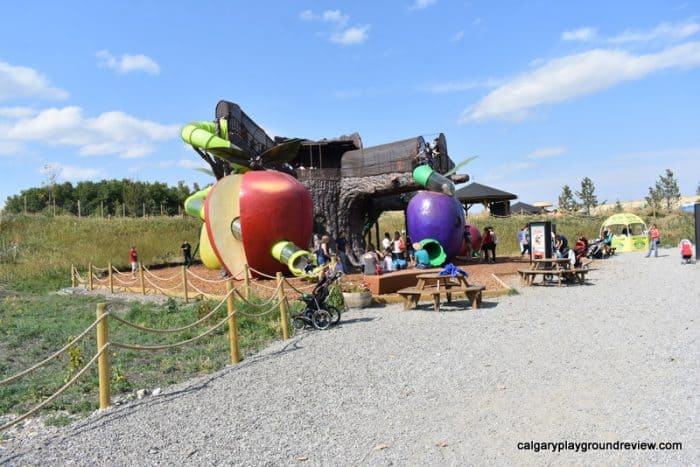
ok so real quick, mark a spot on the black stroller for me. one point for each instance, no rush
(317, 312)
(595, 249)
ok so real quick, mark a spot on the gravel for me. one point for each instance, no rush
(613, 360)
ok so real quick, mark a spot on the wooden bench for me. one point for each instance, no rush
(411, 295)
(527, 276)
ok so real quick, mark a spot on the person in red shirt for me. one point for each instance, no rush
(654, 240)
(133, 259)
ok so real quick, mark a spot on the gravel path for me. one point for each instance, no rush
(614, 360)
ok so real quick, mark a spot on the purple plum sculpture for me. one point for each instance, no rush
(437, 216)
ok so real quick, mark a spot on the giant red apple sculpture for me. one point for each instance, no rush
(247, 214)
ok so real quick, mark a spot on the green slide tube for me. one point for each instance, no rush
(294, 258)
(433, 181)
(203, 135)
(194, 204)
(435, 251)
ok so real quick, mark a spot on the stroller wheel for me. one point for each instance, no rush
(298, 323)
(321, 319)
(335, 314)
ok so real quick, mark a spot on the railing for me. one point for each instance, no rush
(277, 301)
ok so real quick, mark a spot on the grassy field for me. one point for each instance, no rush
(35, 321)
(47, 246)
(32, 326)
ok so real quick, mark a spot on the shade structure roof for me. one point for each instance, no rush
(478, 193)
(524, 208)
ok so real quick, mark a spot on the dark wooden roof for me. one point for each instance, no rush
(399, 156)
(524, 208)
(478, 193)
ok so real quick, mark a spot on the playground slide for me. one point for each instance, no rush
(203, 135)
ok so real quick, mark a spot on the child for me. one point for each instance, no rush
(388, 261)
(686, 248)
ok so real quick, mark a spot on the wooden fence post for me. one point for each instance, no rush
(246, 280)
(143, 281)
(103, 359)
(89, 276)
(111, 281)
(184, 281)
(73, 279)
(283, 306)
(232, 327)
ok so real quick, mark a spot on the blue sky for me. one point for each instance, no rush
(544, 93)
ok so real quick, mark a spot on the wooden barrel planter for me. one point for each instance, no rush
(357, 299)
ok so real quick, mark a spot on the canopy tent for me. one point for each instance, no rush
(629, 232)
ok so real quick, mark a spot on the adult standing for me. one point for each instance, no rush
(386, 242)
(654, 240)
(371, 260)
(526, 241)
(467, 237)
(488, 244)
(521, 241)
(323, 254)
(134, 260)
(340, 245)
(398, 247)
(186, 253)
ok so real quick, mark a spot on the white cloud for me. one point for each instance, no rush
(19, 81)
(581, 35)
(664, 31)
(16, 112)
(109, 133)
(70, 173)
(335, 16)
(573, 76)
(353, 35)
(329, 16)
(421, 4)
(544, 153)
(456, 37)
(128, 63)
(339, 21)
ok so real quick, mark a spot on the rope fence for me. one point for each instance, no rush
(277, 302)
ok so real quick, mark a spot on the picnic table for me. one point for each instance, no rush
(549, 268)
(437, 285)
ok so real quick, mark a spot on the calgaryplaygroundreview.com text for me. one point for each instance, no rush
(585, 446)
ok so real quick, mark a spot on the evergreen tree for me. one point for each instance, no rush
(587, 195)
(670, 192)
(618, 206)
(654, 198)
(566, 200)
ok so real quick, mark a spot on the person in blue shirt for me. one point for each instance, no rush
(422, 257)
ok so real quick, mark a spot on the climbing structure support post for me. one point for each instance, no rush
(283, 306)
(103, 359)
(232, 329)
